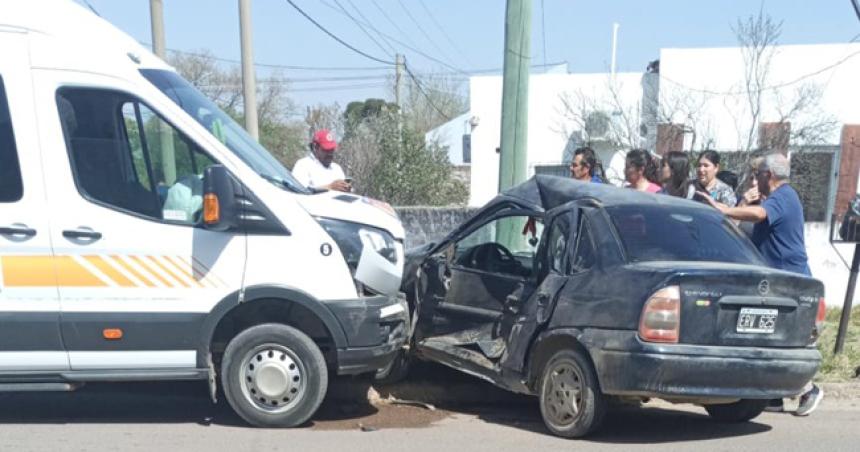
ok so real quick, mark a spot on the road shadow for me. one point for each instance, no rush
(454, 391)
(160, 403)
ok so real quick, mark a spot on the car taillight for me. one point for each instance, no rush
(821, 315)
(661, 316)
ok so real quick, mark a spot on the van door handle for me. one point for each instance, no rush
(17, 229)
(82, 233)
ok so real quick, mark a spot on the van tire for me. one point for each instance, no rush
(274, 376)
(741, 411)
(561, 374)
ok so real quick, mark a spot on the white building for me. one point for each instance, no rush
(701, 92)
(705, 90)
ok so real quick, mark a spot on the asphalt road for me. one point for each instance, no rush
(179, 416)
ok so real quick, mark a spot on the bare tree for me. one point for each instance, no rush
(279, 132)
(432, 101)
(758, 36)
(799, 119)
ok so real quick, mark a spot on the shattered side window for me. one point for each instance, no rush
(585, 255)
(557, 244)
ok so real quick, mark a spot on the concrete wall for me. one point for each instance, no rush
(825, 264)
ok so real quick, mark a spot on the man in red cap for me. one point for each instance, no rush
(317, 170)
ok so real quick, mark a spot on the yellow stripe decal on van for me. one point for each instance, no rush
(184, 270)
(109, 271)
(73, 274)
(167, 270)
(105, 271)
(133, 271)
(28, 271)
(150, 270)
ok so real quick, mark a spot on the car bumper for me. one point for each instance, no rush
(692, 371)
(376, 328)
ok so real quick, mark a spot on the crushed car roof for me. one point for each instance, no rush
(547, 192)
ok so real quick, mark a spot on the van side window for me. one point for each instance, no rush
(126, 156)
(11, 188)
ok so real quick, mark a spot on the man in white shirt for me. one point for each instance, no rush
(317, 170)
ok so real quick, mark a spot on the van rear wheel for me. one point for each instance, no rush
(571, 403)
(274, 376)
(741, 411)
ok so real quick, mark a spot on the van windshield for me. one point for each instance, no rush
(223, 127)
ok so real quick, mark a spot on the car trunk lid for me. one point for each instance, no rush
(748, 306)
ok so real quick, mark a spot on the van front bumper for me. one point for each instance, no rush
(376, 328)
(696, 371)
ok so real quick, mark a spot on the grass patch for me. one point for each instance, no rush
(840, 367)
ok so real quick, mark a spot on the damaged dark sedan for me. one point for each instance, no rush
(579, 293)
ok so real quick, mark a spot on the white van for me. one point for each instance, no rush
(145, 236)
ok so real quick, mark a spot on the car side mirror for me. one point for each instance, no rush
(219, 199)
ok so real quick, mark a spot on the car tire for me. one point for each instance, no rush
(396, 371)
(741, 411)
(274, 376)
(571, 403)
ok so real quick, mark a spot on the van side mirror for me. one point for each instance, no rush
(219, 199)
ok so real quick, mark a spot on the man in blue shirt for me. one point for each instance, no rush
(778, 235)
(586, 167)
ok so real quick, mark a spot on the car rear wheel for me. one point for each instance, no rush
(571, 403)
(274, 376)
(741, 411)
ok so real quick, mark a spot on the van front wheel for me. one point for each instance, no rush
(274, 376)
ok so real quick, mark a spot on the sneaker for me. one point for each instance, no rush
(774, 406)
(809, 401)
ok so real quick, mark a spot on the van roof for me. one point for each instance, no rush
(72, 28)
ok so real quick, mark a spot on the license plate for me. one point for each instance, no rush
(757, 320)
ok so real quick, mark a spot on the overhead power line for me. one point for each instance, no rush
(336, 38)
(442, 30)
(423, 92)
(423, 32)
(364, 18)
(407, 46)
(364, 30)
(276, 66)
(393, 23)
(766, 88)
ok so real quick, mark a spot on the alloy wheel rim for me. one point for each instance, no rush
(563, 392)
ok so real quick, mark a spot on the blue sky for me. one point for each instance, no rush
(464, 34)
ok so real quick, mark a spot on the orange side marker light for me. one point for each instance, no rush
(112, 334)
(211, 209)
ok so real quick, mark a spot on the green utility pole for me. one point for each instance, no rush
(515, 109)
(515, 93)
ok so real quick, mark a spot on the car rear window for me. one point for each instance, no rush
(658, 233)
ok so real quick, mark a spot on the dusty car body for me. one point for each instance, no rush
(580, 292)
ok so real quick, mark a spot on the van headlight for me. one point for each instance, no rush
(352, 238)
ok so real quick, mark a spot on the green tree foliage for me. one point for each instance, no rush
(386, 161)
